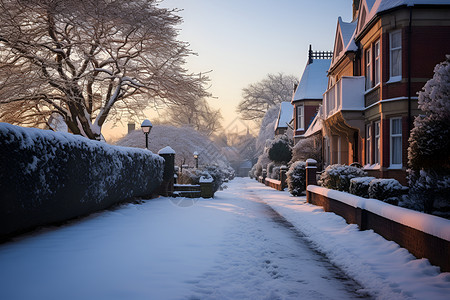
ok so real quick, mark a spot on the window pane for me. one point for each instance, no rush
(368, 69)
(396, 126)
(396, 41)
(300, 117)
(397, 150)
(377, 143)
(377, 64)
(396, 62)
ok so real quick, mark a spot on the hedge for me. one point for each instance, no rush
(48, 177)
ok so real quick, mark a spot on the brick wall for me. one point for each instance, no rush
(418, 243)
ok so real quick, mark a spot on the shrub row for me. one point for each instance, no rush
(49, 177)
(355, 181)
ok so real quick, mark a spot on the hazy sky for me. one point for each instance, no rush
(241, 41)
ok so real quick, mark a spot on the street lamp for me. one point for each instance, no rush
(146, 126)
(196, 159)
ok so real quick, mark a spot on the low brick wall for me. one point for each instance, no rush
(273, 183)
(366, 214)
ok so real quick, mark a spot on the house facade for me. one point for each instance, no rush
(307, 96)
(381, 60)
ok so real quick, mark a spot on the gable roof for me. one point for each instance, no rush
(314, 80)
(369, 9)
(344, 40)
(284, 115)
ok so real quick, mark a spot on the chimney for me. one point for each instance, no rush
(131, 127)
(355, 8)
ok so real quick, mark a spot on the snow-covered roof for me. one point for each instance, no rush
(345, 36)
(285, 115)
(370, 8)
(313, 82)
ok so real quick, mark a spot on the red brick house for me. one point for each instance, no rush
(381, 60)
(308, 94)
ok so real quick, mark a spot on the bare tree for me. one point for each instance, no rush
(196, 114)
(90, 60)
(260, 96)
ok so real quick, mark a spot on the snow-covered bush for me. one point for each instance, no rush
(279, 149)
(387, 190)
(263, 161)
(52, 176)
(359, 186)
(273, 170)
(338, 177)
(296, 178)
(430, 192)
(428, 153)
(310, 147)
(218, 175)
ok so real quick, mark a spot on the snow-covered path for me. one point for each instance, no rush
(234, 246)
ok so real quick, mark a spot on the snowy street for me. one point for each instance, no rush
(249, 242)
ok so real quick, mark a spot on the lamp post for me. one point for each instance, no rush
(196, 159)
(146, 126)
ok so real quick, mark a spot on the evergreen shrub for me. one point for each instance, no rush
(296, 178)
(359, 186)
(338, 177)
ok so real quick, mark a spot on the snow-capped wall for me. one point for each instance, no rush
(48, 177)
(423, 235)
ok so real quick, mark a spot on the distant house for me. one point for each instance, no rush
(381, 60)
(284, 118)
(308, 94)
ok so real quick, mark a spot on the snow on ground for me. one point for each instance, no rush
(234, 246)
(384, 269)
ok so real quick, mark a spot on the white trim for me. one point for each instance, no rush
(394, 79)
(389, 100)
(371, 89)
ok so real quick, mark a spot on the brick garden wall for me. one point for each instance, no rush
(417, 242)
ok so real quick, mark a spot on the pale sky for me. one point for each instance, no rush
(241, 41)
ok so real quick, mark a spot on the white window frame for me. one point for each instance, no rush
(368, 144)
(377, 64)
(300, 117)
(393, 136)
(376, 143)
(368, 68)
(398, 77)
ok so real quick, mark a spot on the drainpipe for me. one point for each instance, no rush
(409, 67)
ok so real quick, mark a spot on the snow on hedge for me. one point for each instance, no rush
(52, 176)
(430, 224)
